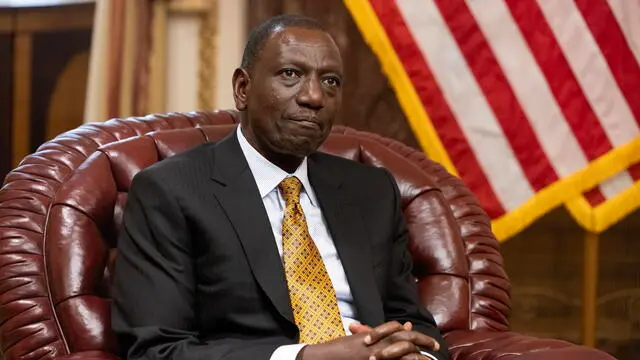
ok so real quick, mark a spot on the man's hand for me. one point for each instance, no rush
(396, 343)
(389, 341)
(349, 347)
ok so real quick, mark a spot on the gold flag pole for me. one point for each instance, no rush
(590, 288)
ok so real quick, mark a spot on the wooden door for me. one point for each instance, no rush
(44, 57)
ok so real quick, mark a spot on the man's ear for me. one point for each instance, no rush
(240, 88)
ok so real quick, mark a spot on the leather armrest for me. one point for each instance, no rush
(88, 355)
(490, 345)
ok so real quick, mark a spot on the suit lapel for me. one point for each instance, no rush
(346, 226)
(238, 195)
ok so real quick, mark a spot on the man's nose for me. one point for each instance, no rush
(311, 94)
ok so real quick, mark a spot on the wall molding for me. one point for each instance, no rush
(191, 6)
(6, 22)
(207, 56)
(79, 16)
(207, 12)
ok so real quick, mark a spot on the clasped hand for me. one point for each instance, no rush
(389, 341)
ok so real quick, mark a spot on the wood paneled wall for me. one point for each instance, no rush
(54, 65)
(43, 74)
(6, 83)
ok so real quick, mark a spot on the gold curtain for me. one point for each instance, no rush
(121, 58)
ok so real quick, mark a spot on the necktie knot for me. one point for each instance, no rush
(290, 188)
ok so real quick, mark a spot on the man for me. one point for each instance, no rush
(259, 247)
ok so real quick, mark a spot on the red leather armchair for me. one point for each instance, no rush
(60, 214)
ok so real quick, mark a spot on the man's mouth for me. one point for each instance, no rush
(306, 122)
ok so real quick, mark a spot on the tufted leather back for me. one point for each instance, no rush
(61, 213)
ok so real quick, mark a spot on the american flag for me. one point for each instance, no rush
(532, 103)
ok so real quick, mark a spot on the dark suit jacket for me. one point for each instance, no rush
(198, 275)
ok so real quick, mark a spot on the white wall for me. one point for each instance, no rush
(182, 56)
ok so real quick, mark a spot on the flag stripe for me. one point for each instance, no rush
(601, 194)
(616, 51)
(467, 102)
(634, 170)
(627, 13)
(620, 183)
(591, 69)
(615, 185)
(595, 197)
(544, 114)
(561, 80)
(430, 94)
(501, 98)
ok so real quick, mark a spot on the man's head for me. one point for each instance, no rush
(289, 88)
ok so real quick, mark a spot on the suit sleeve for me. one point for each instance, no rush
(154, 310)
(402, 303)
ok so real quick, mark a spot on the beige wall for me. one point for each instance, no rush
(183, 50)
(182, 62)
(232, 36)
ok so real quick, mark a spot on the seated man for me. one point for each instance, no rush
(258, 246)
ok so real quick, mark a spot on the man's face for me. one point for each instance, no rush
(292, 94)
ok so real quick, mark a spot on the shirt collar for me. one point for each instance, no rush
(268, 175)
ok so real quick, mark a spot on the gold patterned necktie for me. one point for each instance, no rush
(313, 298)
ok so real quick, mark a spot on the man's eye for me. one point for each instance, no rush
(289, 73)
(332, 81)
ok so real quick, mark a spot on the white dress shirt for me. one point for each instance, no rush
(268, 176)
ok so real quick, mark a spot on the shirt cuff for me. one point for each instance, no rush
(288, 352)
(432, 357)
